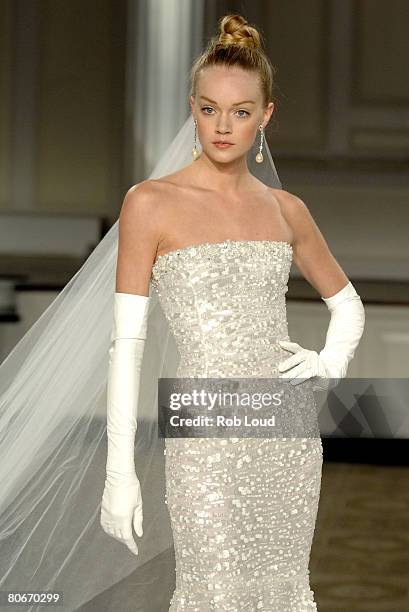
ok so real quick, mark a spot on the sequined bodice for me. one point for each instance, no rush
(242, 509)
(225, 304)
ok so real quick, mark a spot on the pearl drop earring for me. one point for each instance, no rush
(259, 156)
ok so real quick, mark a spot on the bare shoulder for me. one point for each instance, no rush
(289, 203)
(296, 213)
(146, 196)
(146, 203)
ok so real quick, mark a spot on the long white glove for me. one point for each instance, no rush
(122, 501)
(345, 329)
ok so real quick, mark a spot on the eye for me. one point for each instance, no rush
(243, 111)
(206, 107)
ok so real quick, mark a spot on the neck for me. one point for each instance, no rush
(229, 178)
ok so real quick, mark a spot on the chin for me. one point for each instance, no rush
(222, 154)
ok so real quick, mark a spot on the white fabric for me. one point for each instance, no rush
(345, 329)
(130, 316)
(121, 505)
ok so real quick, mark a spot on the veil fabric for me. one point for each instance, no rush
(53, 441)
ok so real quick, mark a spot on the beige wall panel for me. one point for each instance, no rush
(382, 48)
(296, 39)
(389, 141)
(80, 108)
(6, 103)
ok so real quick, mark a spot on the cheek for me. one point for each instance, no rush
(247, 133)
(204, 129)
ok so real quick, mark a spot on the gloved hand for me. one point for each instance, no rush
(345, 329)
(121, 505)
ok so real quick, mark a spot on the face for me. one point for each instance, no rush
(228, 106)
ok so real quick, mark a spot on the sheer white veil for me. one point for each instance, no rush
(53, 431)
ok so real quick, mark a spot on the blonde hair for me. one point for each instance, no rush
(237, 44)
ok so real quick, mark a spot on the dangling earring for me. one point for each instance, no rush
(195, 152)
(259, 156)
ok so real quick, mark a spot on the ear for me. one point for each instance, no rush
(192, 103)
(268, 112)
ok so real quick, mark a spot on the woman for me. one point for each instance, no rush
(218, 244)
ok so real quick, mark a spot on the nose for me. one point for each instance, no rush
(223, 126)
(223, 130)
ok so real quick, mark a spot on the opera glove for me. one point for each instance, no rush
(121, 506)
(344, 332)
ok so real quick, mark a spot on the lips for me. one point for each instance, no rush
(222, 145)
(221, 142)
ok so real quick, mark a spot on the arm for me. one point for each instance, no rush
(121, 505)
(314, 259)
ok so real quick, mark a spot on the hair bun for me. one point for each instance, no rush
(234, 30)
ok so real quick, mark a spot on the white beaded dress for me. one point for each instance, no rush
(242, 510)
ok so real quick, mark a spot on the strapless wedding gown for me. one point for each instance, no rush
(242, 511)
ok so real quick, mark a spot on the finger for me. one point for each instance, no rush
(134, 550)
(290, 346)
(287, 375)
(107, 529)
(115, 536)
(127, 538)
(131, 544)
(137, 522)
(300, 379)
(294, 372)
(291, 361)
(116, 533)
(300, 370)
(300, 376)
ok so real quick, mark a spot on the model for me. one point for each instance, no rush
(217, 244)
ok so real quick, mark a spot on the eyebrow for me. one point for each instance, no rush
(235, 104)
